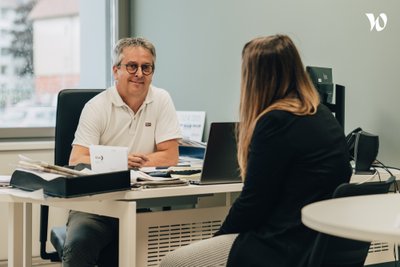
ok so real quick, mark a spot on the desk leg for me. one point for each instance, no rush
(127, 235)
(125, 211)
(28, 235)
(15, 234)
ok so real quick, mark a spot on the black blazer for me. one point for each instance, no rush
(293, 161)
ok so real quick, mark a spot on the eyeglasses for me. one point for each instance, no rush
(132, 68)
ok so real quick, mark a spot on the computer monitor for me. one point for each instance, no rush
(322, 80)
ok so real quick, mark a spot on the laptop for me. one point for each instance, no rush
(220, 163)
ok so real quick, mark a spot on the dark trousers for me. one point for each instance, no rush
(91, 240)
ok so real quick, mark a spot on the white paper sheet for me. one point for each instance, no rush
(108, 158)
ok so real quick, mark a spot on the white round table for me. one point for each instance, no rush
(366, 218)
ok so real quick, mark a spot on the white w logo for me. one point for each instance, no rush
(376, 23)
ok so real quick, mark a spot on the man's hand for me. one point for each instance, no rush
(137, 160)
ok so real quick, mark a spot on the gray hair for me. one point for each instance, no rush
(132, 42)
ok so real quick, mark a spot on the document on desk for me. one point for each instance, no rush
(44, 175)
(27, 163)
(108, 158)
(5, 180)
(192, 124)
(37, 194)
(141, 179)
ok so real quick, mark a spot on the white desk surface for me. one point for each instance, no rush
(366, 218)
(17, 195)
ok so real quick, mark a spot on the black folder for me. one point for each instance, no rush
(67, 187)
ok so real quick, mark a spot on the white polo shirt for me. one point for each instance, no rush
(107, 120)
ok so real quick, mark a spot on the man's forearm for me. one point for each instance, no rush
(163, 158)
(81, 159)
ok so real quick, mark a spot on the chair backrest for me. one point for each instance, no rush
(70, 103)
(331, 251)
(69, 107)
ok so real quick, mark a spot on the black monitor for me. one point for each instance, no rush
(323, 82)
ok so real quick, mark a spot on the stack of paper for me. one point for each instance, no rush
(141, 179)
(26, 163)
(5, 180)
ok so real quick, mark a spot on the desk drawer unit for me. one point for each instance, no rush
(161, 232)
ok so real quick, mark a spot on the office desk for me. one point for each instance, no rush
(366, 218)
(157, 232)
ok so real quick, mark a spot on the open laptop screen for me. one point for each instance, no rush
(220, 160)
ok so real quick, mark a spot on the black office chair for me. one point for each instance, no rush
(331, 251)
(70, 103)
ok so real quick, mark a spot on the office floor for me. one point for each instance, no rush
(36, 262)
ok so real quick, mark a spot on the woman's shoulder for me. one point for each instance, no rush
(274, 122)
(323, 109)
(276, 117)
(282, 116)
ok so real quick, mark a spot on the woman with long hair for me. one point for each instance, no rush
(291, 152)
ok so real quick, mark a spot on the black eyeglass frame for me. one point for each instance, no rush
(137, 68)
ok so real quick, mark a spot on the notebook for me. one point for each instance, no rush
(220, 161)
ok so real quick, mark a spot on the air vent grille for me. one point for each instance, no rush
(378, 247)
(165, 238)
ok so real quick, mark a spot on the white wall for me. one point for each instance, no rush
(199, 45)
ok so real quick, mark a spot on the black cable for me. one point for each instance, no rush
(391, 167)
(383, 166)
(387, 169)
(377, 173)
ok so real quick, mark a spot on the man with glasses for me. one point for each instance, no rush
(132, 113)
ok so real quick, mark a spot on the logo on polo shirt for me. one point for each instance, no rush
(147, 124)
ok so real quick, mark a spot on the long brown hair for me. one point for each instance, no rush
(273, 78)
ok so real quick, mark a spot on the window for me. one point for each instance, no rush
(3, 70)
(4, 12)
(40, 52)
(4, 51)
(44, 63)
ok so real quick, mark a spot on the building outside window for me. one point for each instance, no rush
(40, 40)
